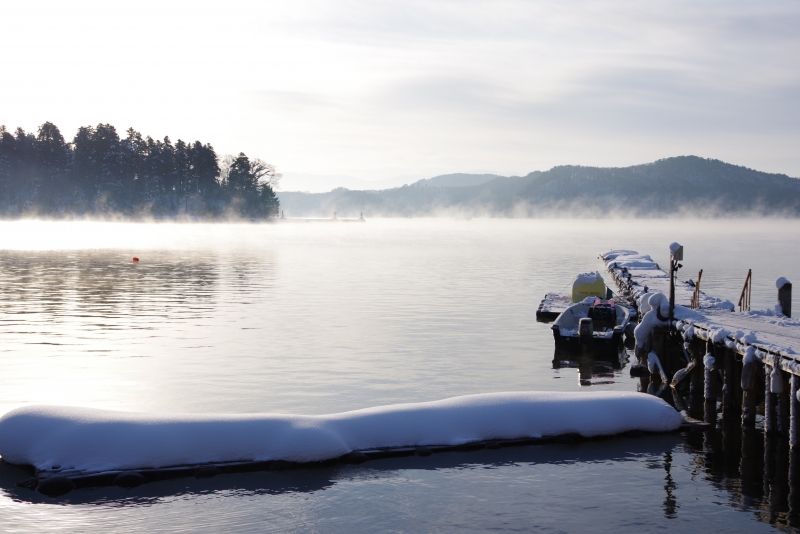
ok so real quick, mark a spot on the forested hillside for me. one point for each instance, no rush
(672, 186)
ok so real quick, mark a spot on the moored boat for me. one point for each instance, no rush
(592, 323)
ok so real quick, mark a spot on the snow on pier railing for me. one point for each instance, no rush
(74, 442)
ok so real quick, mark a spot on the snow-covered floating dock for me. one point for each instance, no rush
(551, 307)
(744, 351)
(75, 447)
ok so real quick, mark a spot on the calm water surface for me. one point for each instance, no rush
(325, 317)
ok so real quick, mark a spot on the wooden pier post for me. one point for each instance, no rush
(794, 450)
(778, 394)
(709, 386)
(794, 412)
(729, 403)
(749, 382)
(769, 401)
(785, 296)
(794, 483)
(783, 404)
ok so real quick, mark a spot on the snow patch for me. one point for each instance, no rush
(655, 367)
(681, 374)
(748, 338)
(688, 334)
(644, 303)
(718, 335)
(749, 356)
(87, 440)
(588, 278)
(747, 379)
(613, 254)
(775, 380)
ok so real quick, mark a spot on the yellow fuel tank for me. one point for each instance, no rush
(588, 285)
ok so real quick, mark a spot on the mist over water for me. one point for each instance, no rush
(323, 317)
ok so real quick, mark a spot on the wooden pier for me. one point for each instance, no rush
(744, 365)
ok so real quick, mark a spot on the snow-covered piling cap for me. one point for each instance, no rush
(688, 334)
(748, 338)
(749, 355)
(718, 335)
(780, 282)
(659, 301)
(676, 251)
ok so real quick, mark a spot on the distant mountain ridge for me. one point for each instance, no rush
(456, 180)
(676, 185)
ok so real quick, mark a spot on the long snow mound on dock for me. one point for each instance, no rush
(56, 439)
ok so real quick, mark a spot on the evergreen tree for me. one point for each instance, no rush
(268, 201)
(84, 169)
(7, 142)
(203, 186)
(108, 156)
(206, 168)
(240, 179)
(53, 155)
(182, 168)
(134, 156)
(25, 172)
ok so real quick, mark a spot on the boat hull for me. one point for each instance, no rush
(610, 344)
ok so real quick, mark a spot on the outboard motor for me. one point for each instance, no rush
(585, 328)
(604, 315)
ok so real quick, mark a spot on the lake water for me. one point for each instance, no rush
(323, 317)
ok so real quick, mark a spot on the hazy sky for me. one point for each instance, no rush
(371, 93)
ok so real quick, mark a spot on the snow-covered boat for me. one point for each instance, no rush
(591, 323)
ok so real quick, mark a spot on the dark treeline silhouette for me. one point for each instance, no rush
(99, 173)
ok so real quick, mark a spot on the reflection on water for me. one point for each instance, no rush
(758, 472)
(296, 480)
(745, 473)
(594, 367)
(79, 326)
(326, 318)
(102, 290)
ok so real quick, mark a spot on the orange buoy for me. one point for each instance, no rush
(135, 259)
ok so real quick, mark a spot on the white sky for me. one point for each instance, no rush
(370, 93)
